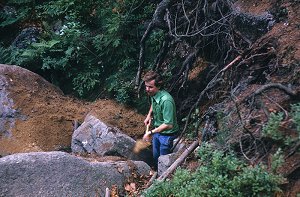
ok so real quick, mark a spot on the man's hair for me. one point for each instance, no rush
(151, 75)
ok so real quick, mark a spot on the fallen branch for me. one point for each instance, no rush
(151, 179)
(179, 161)
(231, 63)
(287, 90)
(279, 86)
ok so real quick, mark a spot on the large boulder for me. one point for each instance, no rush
(61, 174)
(7, 113)
(96, 137)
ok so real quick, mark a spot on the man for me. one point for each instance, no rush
(164, 117)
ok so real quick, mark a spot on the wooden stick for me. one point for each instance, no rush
(107, 192)
(179, 161)
(151, 179)
(231, 63)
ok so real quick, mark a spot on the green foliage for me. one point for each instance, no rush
(271, 129)
(295, 112)
(226, 128)
(4, 55)
(10, 17)
(84, 45)
(156, 38)
(193, 125)
(86, 81)
(219, 175)
(277, 160)
(23, 11)
(56, 8)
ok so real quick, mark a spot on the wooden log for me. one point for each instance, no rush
(179, 161)
(151, 180)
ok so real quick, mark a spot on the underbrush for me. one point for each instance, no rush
(219, 174)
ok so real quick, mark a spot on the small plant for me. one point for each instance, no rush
(271, 129)
(193, 125)
(277, 160)
(296, 116)
(226, 128)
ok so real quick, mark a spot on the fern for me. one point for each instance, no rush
(4, 55)
(20, 1)
(81, 40)
(86, 81)
(56, 8)
(11, 17)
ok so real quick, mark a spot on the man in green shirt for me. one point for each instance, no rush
(163, 113)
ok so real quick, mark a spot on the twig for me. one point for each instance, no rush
(107, 192)
(240, 117)
(210, 85)
(242, 151)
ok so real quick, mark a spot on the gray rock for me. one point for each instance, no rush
(27, 36)
(95, 137)
(7, 113)
(61, 174)
(165, 161)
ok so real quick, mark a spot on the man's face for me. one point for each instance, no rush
(151, 89)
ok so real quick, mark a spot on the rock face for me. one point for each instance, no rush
(7, 112)
(165, 161)
(61, 174)
(95, 137)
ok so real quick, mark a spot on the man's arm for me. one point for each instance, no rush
(147, 121)
(161, 128)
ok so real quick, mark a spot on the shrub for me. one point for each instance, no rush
(271, 129)
(219, 175)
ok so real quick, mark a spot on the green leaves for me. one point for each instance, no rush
(219, 174)
(47, 44)
(295, 112)
(83, 45)
(271, 129)
(86, 81)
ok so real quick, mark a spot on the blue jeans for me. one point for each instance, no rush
(161, 145)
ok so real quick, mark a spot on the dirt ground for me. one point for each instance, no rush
(48, 116)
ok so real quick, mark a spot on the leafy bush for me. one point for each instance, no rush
(82, 44)
(219, 175)
(271, 129)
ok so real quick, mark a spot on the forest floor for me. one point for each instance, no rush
(49, 116)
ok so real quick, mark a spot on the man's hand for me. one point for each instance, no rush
(147, 136)
(147, 121)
